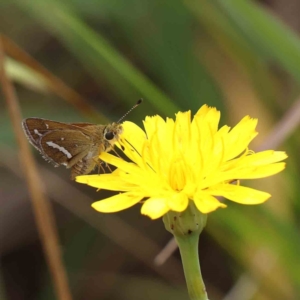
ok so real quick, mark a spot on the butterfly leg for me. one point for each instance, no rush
(77, 158)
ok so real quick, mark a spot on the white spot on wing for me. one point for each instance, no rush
(47, 126)
(37, 132)
(62, 149)
(62, 139)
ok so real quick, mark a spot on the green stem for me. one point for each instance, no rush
(186, 227)
(188, 246)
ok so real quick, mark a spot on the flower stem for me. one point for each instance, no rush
(188, 246)
(186, 227)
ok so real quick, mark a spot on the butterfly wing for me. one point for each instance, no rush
(75, 145)
(35, 128)
(67, 147)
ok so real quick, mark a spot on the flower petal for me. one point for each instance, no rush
(117, 202)
(132, 141)
(153, 125)
(155, 207)
(238, 139)
(178, 202)
(263, 158)
(210, 116)
(262, 171)
(207, 203)
(121, 164)
(107, 181)
(133, 133)
(240, 194)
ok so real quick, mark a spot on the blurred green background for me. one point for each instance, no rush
(241, 56)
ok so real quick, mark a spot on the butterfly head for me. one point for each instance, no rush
(112, 132)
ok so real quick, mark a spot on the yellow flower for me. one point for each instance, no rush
(176, 161)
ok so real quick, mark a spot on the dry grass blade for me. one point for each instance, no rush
(166, 252)
(42, 210)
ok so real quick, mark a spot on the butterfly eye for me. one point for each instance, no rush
(109, 135)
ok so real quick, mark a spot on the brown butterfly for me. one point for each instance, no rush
(74, 145)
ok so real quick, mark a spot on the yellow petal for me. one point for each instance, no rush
(240, 194)
(178, 202)
(106, 181)
(121, 164)
(254, 160)
(132, 141)
(242, 172)
(117, 202)
(133, 133)
(238, 139)
(263, 158)
(155, 208)
(207, 203)
(261, 172)
(210, 116)
(202, 111)
(182, 127)
(153, 125)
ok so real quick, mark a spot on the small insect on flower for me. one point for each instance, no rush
(74, 145)
(176, 161)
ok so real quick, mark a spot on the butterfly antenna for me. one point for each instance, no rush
(131, 109)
